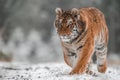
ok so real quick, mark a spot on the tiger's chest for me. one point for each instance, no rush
(72, 54)
(71, 48)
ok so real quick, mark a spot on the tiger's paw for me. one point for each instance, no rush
(81, 71)
(102, 68)
(91, 72)
(74, 72)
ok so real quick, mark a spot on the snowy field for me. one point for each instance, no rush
(51, 71)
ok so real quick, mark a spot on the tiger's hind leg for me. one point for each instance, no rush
(102, 59)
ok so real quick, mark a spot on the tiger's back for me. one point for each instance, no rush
(82, 33)
(97, 23)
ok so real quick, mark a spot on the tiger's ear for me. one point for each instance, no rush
(58, 11)
(75, 11)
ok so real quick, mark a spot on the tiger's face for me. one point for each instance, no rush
(66, 24)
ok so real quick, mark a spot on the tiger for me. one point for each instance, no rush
(82, 32)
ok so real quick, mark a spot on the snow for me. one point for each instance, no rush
(51, 71)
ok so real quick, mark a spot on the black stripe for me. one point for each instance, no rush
(101, 47)
(75, 39)
(100, 65)
(72, 54)
(82, 36)
(80, 47)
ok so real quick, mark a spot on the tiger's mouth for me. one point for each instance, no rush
(65, 38)
(68, 38)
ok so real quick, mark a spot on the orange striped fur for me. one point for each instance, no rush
(82, 33)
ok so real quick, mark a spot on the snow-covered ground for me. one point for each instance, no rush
(51, 71)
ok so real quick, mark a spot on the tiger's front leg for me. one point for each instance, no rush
(83, 58)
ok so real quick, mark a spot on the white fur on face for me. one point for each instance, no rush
(65, 38)
(75, 33)
(69, 21)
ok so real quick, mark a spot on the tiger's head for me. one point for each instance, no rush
(68, 24)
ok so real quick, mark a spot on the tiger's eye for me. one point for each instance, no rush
(75, 16)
